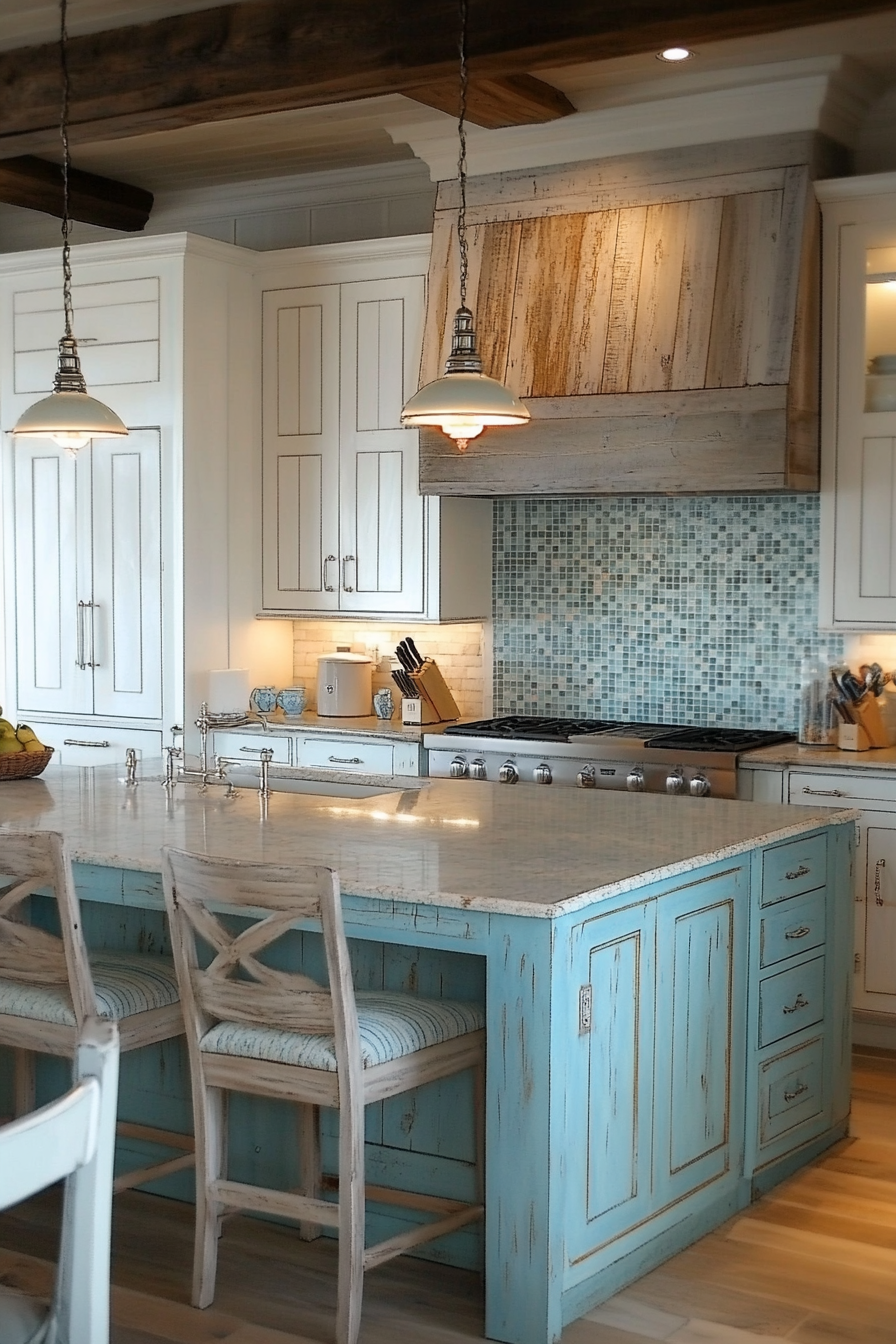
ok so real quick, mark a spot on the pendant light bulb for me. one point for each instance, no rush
(68, 416)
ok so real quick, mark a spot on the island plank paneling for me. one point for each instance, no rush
(596, 285)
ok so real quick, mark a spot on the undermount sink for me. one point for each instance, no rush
(329, 788)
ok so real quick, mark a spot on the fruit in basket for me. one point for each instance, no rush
(29, 738)
(8, 740)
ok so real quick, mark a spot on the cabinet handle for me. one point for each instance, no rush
(328, 587)
(345, 760)
(80, 660)
(92, 606)
(78, 742)
(798, 1003)
(347, 559)
(798, 872)
(878, 894)
(797, 1092)
(254, 751)
(826, 793)
(800, 932)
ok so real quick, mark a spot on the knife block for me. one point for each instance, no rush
(436, 699)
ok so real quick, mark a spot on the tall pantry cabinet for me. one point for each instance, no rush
(128, 570)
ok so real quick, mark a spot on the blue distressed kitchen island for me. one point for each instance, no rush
(666, 983)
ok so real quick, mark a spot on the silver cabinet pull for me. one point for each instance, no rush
(826, 793)
(797, 1092)
(79, 742)
(878, 894)
(798, 1003)
(330, 560)
(93, 606)
(347, 560)
(81, 656)
(802, 871)
(80, 659)
(800, 932)
(345, 760)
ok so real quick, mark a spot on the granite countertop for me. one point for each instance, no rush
(828, 758)
(478, 846)
(370, 726)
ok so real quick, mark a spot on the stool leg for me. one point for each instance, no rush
(23, 1082)
(210, 1120)
(351, 1222)
(309, 1162)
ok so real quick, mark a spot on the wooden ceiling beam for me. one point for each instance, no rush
(36, 184)
(506, 100)
(259, 56)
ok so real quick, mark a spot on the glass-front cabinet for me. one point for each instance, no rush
(858, 515)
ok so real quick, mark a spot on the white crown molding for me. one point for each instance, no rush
(853, 188)
(403, 177)
(825, 93)
(147, 245)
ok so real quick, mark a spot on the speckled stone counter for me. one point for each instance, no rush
(827, 758)
(477, 846)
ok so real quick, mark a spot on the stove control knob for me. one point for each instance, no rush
(636, 783)
(508, 774)
(586, 778)
(700, 786)
(458, 768)
(477, 769)
(675, 782)
(542, 774)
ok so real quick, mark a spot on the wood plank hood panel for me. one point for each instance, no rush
(609, 289)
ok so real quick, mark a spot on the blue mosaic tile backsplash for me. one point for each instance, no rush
(692, 609)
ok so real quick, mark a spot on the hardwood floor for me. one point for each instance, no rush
(813, 1262)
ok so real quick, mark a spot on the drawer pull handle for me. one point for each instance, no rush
(802, 871)
(798, 1003)
(799, 932)
(254, 751)
(797, 1092)
(878, 894)
(826, 793)
(77, 742)
(345, 760)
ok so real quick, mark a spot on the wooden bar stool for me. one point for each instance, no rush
(49, 985)
(273, 1033)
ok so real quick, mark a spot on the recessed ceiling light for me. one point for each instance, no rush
(674, 54)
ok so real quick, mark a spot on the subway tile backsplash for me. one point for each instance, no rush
(680, 610)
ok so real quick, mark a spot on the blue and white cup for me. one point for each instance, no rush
(383, 703)
(292, 700)
(263, 699)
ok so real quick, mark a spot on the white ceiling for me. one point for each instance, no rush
(356, 134)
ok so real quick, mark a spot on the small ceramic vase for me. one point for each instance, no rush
(263, 699)
(292, 700)
(384, 703)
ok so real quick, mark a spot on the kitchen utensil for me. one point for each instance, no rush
(852, 686)
(413, 650)
(404, 683)
(404, 657)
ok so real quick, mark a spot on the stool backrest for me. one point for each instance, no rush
(236, 985)
(38, 861)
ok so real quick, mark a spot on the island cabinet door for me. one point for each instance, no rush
(610, 1084)
(702, 932)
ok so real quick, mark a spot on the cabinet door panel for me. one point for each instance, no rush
(381, 512)
(53, 573)
(300, 448)
(879, 961)
(126, 634)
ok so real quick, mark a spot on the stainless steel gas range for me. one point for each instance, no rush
(595, 754)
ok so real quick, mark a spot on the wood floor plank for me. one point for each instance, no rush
(706, 1299)
(627, 1312)
(842, 1251)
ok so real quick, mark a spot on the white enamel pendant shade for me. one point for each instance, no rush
(71, 419)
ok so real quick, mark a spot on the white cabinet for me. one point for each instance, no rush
(345, 529)
(858, 518)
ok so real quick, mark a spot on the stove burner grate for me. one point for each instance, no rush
(531, 727)
(716, 739)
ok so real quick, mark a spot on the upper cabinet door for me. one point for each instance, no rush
(125, 626)
(300, 449)
(381, 511)
(54, 580)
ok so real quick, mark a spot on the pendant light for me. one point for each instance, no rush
(68, 415)
(464, 401)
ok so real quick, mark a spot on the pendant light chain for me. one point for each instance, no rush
(63, 131)
(462, 157)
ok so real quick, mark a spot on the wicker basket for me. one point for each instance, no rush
(24, 764)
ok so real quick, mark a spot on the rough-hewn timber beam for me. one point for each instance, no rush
(269, 55)
(36, 184)
(507, 100)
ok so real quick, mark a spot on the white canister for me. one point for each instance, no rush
(344, 685)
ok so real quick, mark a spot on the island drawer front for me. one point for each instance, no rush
(794, 927)
(791, 1000)
(817, 790)
(84, 744)
(790, 1089)
(249, 746)
(333, 753)
(789, 870)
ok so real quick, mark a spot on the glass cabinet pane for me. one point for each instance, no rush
(880, 329)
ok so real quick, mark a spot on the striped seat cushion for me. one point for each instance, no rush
(391, 1025)
(125, 983)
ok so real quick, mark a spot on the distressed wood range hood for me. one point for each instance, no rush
(658, 313)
